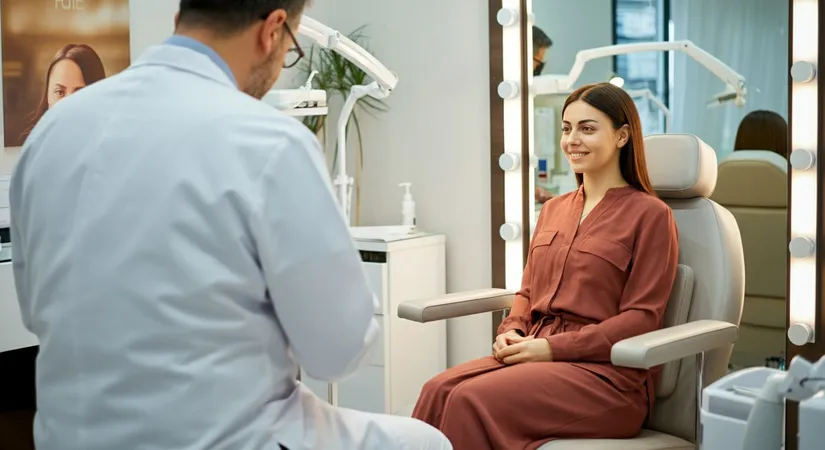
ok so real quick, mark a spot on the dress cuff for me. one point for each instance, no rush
(520, 324)
(563, 346)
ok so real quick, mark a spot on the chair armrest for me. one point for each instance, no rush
(459, 304)
(673, 343)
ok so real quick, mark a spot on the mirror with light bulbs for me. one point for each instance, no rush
(675, 93)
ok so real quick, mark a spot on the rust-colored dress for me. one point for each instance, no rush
(585, 287)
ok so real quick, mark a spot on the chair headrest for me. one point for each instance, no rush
(680, 166)
(753, 178)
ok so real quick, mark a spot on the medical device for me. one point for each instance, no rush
(384, 81)
(303, 101)
(736, 86)
(746, 409)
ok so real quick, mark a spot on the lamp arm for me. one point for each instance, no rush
(333, 40)
(343, 182)
(553, 84)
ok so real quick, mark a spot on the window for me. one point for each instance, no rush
(644, 74)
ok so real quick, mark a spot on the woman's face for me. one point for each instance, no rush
(65, 79)
(589, 140)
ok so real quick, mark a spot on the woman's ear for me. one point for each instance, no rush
(624, 136)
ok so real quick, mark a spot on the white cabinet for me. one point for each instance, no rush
(408, 354)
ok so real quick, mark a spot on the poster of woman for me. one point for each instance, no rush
(51, 49)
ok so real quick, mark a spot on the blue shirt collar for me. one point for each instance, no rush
(192, 44)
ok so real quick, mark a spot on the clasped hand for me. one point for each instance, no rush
(512, 348)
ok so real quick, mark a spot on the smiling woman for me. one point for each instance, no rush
(602, 138)
(588, 284)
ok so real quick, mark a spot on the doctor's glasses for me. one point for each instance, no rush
(294, 54)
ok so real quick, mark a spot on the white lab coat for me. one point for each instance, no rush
(179, 253)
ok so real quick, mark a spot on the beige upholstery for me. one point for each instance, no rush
(753, 185)
(703, 312)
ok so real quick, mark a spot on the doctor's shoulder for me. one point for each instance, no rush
(272, 130)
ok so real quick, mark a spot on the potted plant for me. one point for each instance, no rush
(336, 75)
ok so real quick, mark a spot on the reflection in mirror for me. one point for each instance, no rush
(727, 85)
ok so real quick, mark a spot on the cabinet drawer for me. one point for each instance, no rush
(377, 279)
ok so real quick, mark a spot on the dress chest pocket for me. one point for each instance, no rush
(604, 254)
(540, 248)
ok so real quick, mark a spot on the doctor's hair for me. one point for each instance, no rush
(763, 130)
(228, 17)
(540, 39)
(91, 67)
(617, 104)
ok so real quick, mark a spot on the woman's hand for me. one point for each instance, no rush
(506, 339)
(528, 350)
(509, 338)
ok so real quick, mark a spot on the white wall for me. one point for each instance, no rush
(152, 21)
(436, 134)
(576, 25)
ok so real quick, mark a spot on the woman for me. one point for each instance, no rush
(74, 67)
(763, 130)
(601, 267)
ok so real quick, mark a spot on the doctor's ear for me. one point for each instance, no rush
(273, 29)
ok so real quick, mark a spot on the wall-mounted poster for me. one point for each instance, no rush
(52, 49)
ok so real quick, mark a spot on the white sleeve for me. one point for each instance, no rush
(18, 256)
(313, 271)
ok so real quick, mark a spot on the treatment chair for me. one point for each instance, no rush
(753, 186)
(703, 313)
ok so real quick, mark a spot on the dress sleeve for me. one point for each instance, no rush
(519, 317)
(644, 299)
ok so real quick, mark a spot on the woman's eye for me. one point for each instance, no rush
(60, 92)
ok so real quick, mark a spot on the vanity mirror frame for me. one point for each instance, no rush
(806, 103)
(512, 213)
(510, 142)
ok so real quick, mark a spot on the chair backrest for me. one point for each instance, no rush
(753, 186)
(711, 278)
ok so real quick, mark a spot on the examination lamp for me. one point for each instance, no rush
(736, 85)
(617, 81)
(295, 100)
(308, 101)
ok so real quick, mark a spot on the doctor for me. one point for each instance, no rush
(178, 252)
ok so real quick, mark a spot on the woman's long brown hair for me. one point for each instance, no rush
(619, 107)
(90, 65)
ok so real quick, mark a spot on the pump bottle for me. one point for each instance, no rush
(407, 206)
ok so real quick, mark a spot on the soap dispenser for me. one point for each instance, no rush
(407, 207)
